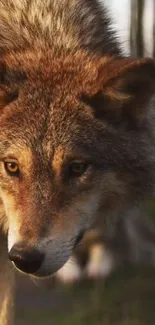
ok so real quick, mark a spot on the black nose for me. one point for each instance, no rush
(26, 259)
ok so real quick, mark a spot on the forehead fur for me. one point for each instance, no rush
(79, 71)
(48, 112)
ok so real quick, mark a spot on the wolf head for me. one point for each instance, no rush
(75, 140)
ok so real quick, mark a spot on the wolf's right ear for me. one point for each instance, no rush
(123, 92)
(6, 95)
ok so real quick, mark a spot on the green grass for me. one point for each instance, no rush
(127, 298)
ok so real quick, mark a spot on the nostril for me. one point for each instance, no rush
(28, 260)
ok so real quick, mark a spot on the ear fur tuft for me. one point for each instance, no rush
(125, 88)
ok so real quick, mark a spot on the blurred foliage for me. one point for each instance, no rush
(150, 209)
(127, 298)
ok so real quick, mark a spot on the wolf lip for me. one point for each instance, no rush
(79, 238)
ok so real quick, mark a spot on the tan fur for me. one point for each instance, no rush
(67, 95)
(58, 160)
(6, 286)
(64, 24)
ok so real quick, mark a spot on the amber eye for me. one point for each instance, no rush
(11, 168)
(77, 168)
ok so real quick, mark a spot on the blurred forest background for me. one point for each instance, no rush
(128, 296)
(135, 22)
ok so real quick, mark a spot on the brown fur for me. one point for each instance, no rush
(50, 108)
(62, 25)
(66, 95)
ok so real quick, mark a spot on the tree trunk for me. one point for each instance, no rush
(136, 29)
(153, 28)
(133, 28)
(140, 34)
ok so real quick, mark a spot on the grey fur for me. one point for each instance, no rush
(30, 30)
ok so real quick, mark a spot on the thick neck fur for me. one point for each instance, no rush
(68, 24)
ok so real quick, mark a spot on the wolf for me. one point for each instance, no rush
(76, 131)
(104, 249)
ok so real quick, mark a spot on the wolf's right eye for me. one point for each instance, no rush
(77, 168)
(11, 168)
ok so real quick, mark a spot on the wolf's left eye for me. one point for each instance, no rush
(11, 168)
(77, 168)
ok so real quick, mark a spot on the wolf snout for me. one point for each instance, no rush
(26, 259)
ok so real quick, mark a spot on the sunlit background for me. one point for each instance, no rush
(121, 14)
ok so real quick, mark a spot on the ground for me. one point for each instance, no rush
(127, 298)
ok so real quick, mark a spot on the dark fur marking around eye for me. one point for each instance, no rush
(7, 97)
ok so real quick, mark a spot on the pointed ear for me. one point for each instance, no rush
(125, 89)
(6, 95)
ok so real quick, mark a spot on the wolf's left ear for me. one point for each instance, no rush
(125, 88)
(6, 95)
